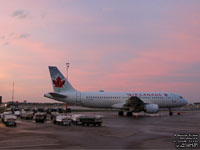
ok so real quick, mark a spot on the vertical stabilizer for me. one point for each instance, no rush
(59, 82)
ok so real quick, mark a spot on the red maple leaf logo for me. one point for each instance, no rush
(58, 82)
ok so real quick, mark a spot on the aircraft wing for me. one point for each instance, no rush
(134, 104)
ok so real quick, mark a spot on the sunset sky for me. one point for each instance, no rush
(115, 45)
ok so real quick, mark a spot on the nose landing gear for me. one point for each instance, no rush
(170, 112)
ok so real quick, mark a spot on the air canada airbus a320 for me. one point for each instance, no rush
(149, 102)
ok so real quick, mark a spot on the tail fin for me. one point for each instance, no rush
(60, 83)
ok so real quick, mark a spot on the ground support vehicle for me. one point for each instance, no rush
(16, 111)
(40, 117)
(26, 114)
(80, 119)
(9, 119)
(62, 119)
(6, 113)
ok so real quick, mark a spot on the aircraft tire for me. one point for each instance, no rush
(129, 114)
(120, 113)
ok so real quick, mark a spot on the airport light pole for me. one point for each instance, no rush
(13, 90)
(67, 65)
(67, 68)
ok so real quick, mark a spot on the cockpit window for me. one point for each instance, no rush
(180, 97)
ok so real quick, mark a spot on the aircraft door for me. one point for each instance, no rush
(174, 99)
(78, 97)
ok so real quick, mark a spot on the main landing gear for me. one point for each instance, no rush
(129, 114)
(121, 113)
(170, 112)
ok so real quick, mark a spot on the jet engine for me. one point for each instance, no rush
(151, 108)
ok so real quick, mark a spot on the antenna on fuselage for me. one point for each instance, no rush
(67, 68)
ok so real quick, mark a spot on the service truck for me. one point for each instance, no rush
(9, 119)
(27, 114)
(62, 119)
(82, 119)
(40, 117)
(16, 111)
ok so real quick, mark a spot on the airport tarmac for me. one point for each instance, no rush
(144, 132)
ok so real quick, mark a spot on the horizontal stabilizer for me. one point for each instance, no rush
(57, 95)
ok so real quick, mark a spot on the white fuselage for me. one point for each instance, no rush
(118, 99)
(149, 102)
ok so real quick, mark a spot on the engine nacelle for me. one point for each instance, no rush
(151, 108)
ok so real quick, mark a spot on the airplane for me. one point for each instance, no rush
(130, 102)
